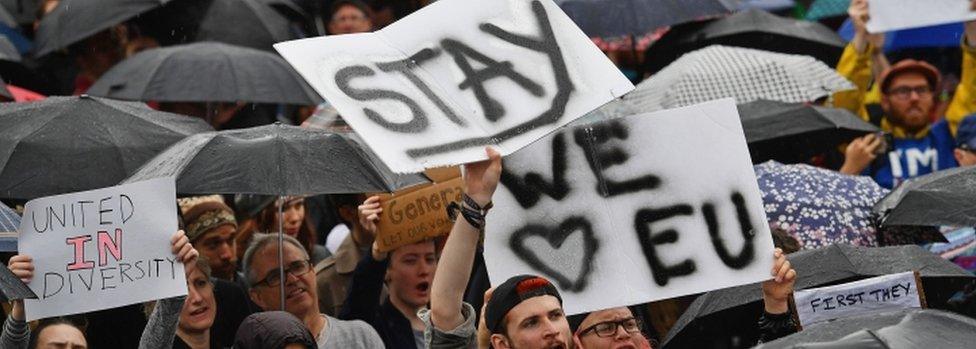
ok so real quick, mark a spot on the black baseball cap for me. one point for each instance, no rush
(511, 293)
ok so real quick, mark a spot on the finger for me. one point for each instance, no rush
(488, 294)
(20, 258)
(874, 143)
(184, 251)
(785, 268)
(373, 218)
(176, 237)
(21, 266)
(372, 199)
(790, 276)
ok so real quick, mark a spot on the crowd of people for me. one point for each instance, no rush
(334, 287)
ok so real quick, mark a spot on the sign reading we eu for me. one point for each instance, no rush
(436, 87)
(101, 249)
(633, 210)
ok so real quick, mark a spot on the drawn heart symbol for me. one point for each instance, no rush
(556, 237)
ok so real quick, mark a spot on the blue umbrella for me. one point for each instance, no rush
(945, 35)
(819, 207)
(9, 223)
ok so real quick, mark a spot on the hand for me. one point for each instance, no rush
(184, 251)
(23, 267)
(369, 214)
(860, 153)
(484, 338)
(776, 292)
(858, 11)
(481, 178)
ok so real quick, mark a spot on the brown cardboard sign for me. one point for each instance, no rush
(417, 213)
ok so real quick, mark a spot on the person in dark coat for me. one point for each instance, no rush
(273, 330)
(407, 272)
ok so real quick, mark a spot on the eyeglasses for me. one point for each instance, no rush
(609, 328)
(905, 92)
(296, 269)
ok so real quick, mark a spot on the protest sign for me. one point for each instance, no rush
(102, 248)
(632, 210)
(419, 212)
(888, 15)
(436, 87)
(868, 296)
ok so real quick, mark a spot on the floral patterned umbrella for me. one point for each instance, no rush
(819, 207)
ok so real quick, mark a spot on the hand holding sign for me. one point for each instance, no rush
(776, 292)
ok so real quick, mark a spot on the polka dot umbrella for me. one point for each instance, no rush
(819, 207)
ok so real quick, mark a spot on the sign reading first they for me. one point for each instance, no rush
(102, 248)
(436, 87)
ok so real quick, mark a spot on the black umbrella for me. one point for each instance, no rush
(940, 198)
(274, 159)
(908, 328)
(612, 18)
(74, 20)
(752, 29)
(795, 132)
(22, 11)
(248, 23)
(205, 72)
(67, 144)
(716, 316)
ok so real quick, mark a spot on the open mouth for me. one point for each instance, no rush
(199, 311)
(423, 286)
(296, 292)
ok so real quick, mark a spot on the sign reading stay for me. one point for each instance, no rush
(868, 296)
(102, 248)
(436, 87)
(633, 210)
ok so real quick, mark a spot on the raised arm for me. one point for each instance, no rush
(454, 268)
(161, 328)
(16, 333)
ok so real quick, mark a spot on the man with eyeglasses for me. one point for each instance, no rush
(907, 99)
(301, 298)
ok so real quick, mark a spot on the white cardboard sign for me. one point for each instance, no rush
(868, 296)
(632, 210)
(436, 87)
(102, 248)
(888, 15)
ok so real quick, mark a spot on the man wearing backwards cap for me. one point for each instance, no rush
(908, 99)
(525, 311)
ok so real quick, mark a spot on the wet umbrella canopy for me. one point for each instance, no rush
(909, 328)
(752, 29)
(273, 160)
(794, 132)
(68, 144)
(718, 315)
(74, 20)
(819, 207)
(745, 74)
(247, 23)
(941, 198)
(610, 18)
(205, 72)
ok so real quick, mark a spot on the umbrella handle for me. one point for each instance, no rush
(281, 262)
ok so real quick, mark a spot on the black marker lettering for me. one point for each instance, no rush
(556, 237)
(745, 225)
(418, 123)
(591, 139)
(475, 79)
(649, 241)
(528, 191)
(405, 67)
